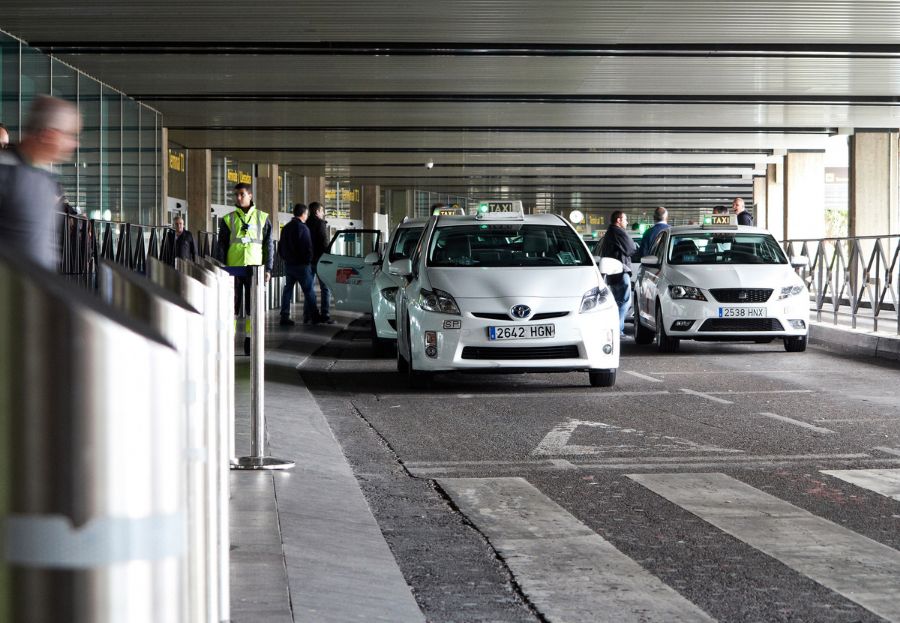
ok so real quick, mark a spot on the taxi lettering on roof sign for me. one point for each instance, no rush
(720, 220)
(448, 211)
(488, 210)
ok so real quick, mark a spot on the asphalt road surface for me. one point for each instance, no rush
(728, 482)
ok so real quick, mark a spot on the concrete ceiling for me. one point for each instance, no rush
(572, 103)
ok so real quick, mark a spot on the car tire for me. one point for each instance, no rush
(795, 344)
(664, 343)
(381, 347)
(415, 378)
(602, 378)
(642, 335)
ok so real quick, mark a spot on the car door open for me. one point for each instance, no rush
(344, 269)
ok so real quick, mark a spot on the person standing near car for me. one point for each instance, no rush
(618, 245)
(184, 241)
(660, 218)
(743, 217)
(296, 249)
(318, 230)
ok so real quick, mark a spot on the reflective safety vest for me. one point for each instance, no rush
(245, 244)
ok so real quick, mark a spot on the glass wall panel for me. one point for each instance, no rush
(64, 84)
(35, 77)
(132, 210)
(9, 85)
(111, 153)
(151, 202)
(90, 173)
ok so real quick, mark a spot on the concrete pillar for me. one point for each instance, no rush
(199, 189)
(160, 213)
(400, 206)
(775, 200)
(874, 209)
(315, 190)
(371, 203)
(760, 215)
(266, 196)
(804, 195)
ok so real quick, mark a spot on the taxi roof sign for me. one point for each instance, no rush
(727, 221)
(490, 210)
(448, 211)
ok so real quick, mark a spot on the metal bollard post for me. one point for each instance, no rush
(220, 541)
(257, 458)
(90, 459)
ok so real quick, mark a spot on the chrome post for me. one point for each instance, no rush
(258, 458)
(91, 468)
(220, 542)
(201, 434)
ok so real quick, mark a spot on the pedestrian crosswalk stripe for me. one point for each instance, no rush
(860, 569)
(566, 570)
(883, 481)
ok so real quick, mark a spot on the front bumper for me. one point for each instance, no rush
(578, 343)
(785, 318)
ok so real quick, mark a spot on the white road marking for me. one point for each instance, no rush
(856, 420)
(893, 451)
(562, 464)
(643, 376)
(553, 393)
(883, 481)
(800, 423)
(860, 569)
(707, 396)
(762, 391)
(618, 439)
(568, 571)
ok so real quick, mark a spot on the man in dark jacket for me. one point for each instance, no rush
(660, 218)
(184, 241)
(618, 244)
(743, 217)
(318, 229)
(296, 249)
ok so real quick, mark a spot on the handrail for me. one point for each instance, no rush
(858, 276)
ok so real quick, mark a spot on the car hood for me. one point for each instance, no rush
(503, 283)
(733, 276)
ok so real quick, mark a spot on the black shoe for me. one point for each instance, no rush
(247, 345)
(325, 321)
(286, 322)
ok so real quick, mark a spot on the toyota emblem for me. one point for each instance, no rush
(520, 311)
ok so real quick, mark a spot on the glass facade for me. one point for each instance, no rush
(116, 172)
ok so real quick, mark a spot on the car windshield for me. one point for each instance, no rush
(725, 248)
(405, 243)
(507, 244)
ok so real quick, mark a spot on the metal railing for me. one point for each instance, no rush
(83, 241)
(852, 280)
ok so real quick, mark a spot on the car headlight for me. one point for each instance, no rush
(389, 294)
(787, 291)
(686, 292)
(438, 301)
(594, 299)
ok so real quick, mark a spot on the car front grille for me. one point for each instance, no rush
(741, 295)
(741, 324)
(541, 316)
(526, 352)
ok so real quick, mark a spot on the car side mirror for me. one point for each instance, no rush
(609, 266)
(371, 259)
(400, 268)
(799, 261)
(650, 261)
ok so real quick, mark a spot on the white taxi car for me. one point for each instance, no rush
(502, 291)
(719, 282)
(363, 283)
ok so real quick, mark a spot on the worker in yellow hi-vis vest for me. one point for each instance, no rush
(245, 239)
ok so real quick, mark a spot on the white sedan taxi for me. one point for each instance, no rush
(507, 292)
(720, 282)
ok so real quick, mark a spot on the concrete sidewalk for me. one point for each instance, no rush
(305, 546)
(844, 340)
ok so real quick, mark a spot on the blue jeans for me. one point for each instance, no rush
(622, 293)
(326, 299)
(302, 274)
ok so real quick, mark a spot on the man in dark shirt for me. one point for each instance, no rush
(28, 192)
(184, 241)
(618, 244)
(318, 229)
(296, 249)
(660, 216)
(743, 217)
